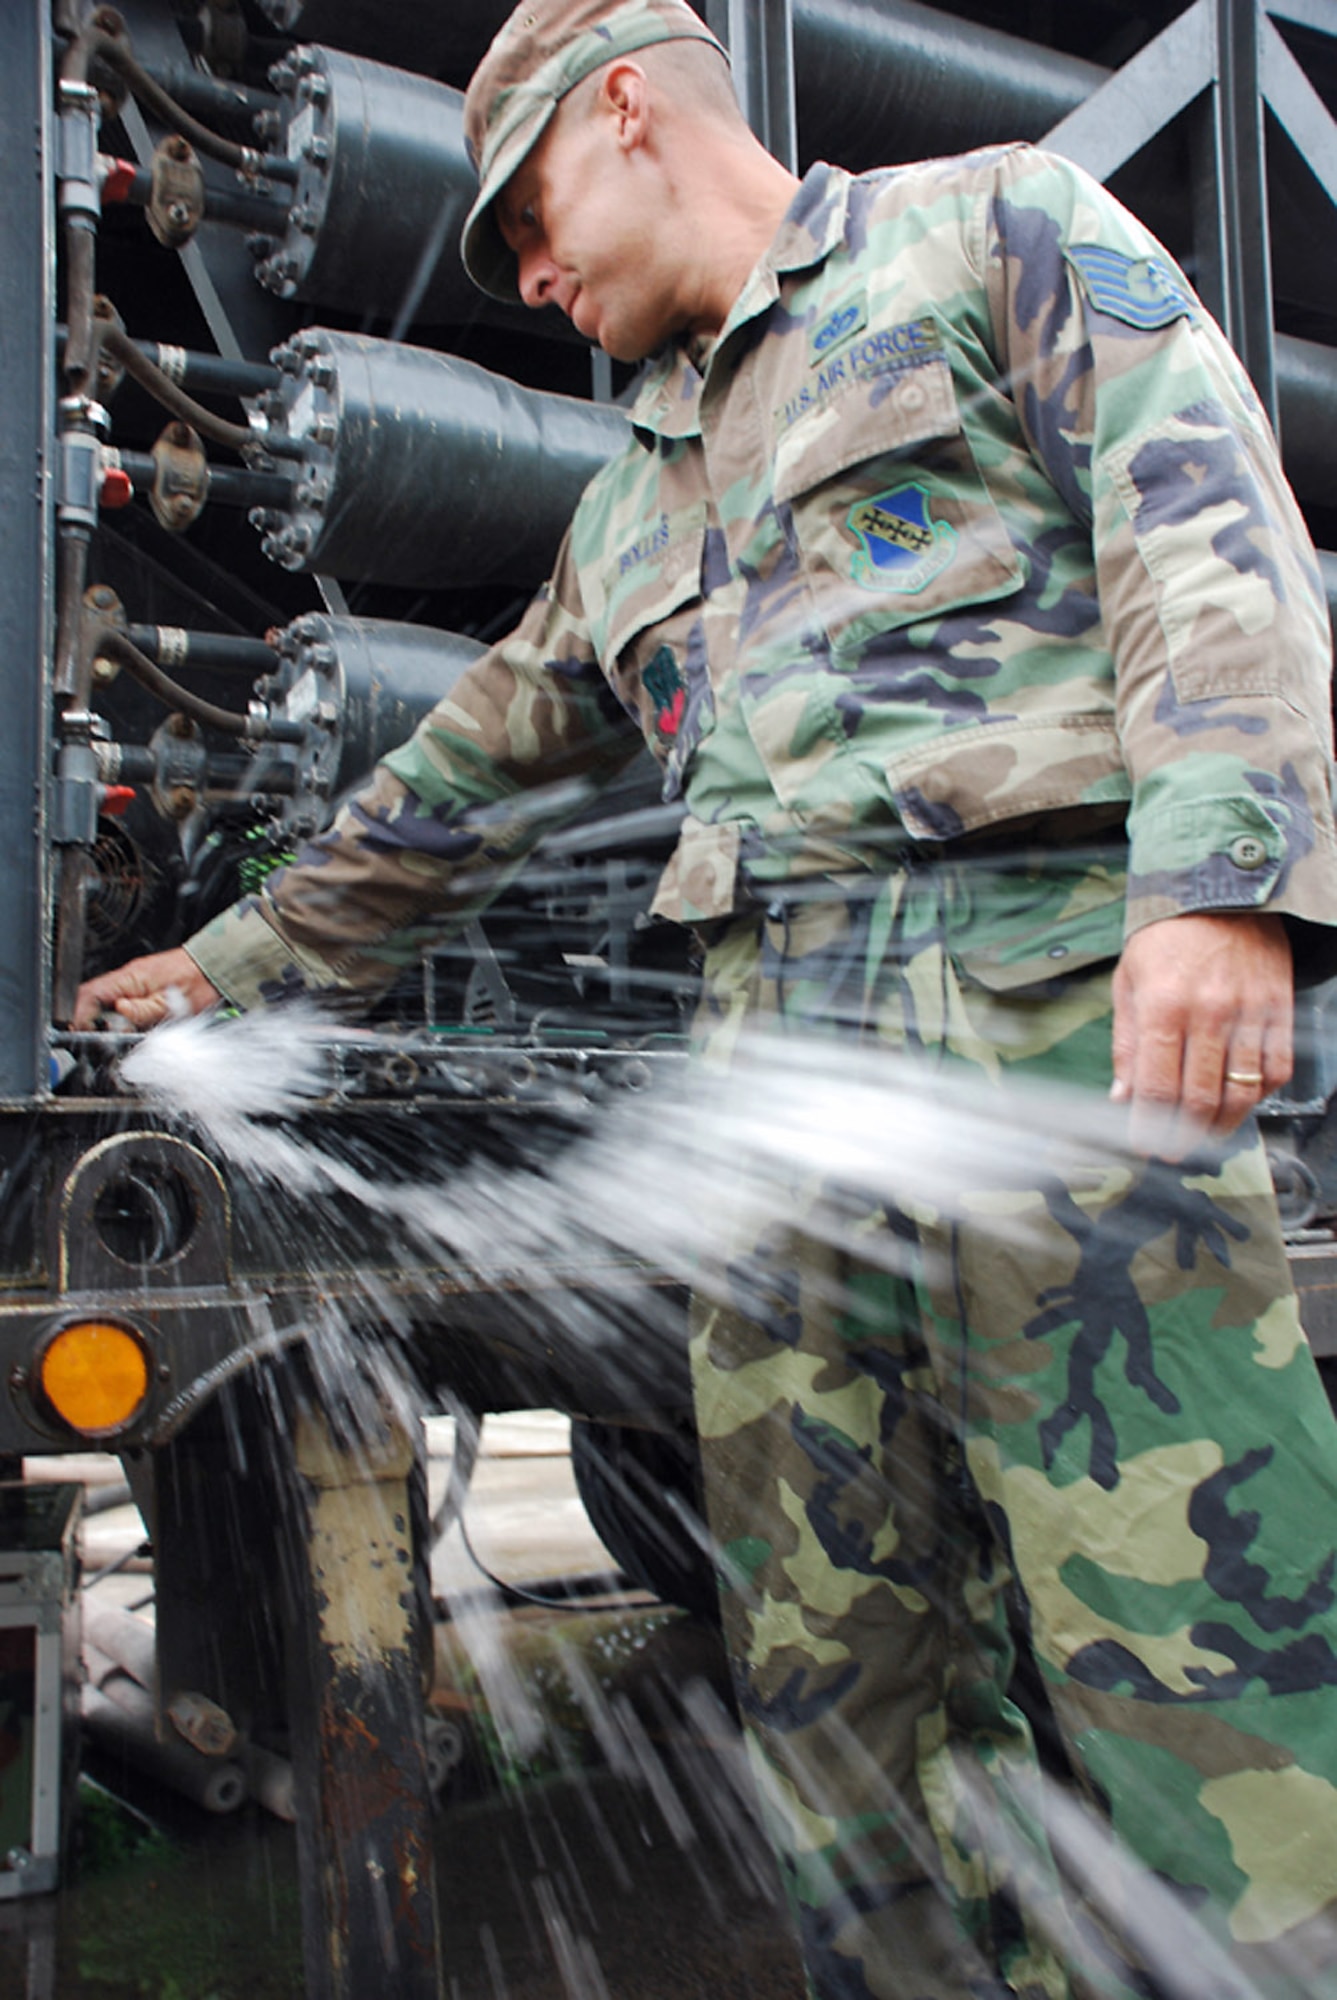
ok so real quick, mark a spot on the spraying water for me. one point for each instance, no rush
(799, 1126)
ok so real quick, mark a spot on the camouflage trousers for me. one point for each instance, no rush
(1105, 1421)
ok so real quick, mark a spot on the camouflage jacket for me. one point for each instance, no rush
(968, 519)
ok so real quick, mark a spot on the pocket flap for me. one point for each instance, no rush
(650, 578)
(875, 416)
(1072, 925)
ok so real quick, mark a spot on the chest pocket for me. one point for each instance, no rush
(891, 520)
(648, 632)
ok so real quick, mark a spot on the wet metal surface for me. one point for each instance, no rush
(612, 1853)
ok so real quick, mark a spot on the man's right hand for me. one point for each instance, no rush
(146, 991)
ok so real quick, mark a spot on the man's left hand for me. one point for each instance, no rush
(1202, 1024)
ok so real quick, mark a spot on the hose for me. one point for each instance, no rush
(114, 644)
(238, 437)
(115, 51)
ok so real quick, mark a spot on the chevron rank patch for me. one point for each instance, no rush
(1141, 291)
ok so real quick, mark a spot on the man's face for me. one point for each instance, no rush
(578, 217)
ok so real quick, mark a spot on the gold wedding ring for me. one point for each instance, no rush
(1249, 1078)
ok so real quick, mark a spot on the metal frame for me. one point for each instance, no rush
(759, 35)
(1229, 55)
(27, 459)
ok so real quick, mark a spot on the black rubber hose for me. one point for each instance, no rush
(116, 52)
(208, 649)
(163, 390)
(231, 205)
(229, 485)
(111, 643)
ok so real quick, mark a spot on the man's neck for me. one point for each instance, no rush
(740, 225)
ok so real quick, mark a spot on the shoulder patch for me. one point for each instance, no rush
(1141, 291)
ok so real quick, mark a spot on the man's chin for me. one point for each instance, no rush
(625, 346)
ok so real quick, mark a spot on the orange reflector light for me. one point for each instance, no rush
(95, 1376)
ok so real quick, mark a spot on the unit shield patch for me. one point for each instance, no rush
(1141, 291)
(902, 548)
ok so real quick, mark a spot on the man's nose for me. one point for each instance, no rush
(537, 276)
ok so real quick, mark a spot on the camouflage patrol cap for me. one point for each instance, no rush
(543, 51)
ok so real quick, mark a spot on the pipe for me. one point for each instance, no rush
(231, 205)
(874, 76)
(371, 680)
(115, 51)
(382, 184)
(119, 1716)
(126, 1642)
(238, 437)
(215, 98)
(229, 485)
(441, 39)
(216, 374)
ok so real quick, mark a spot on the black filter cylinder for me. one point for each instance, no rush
(876, 80)
(440, 37)
(422, 469)
(361, 686)
(383, 187)
(879, 81)
(1307, 398)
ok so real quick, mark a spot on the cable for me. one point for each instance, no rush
(522, 1591)
(450, 1513)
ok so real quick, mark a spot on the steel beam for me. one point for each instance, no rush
(1299, 108)
(27, 464)
(1234, 273)
(1138, 100)
(759, 37)
(369, 1918)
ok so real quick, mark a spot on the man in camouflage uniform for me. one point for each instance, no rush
(951, 577)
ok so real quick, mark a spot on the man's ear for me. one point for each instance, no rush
(624, 92)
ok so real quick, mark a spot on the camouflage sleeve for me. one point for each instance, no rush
(1212, 599)
(525, 735)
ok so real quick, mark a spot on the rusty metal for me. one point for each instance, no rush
(176, 200)
(181, 770)
(102, 609)
(360, 1760)
(181, 477)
